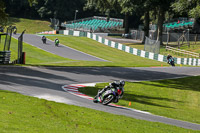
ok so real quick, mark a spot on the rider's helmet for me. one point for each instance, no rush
(169, 55)
(122, 83)
(114, 83)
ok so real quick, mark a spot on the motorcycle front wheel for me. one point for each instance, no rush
(173, 64)
(108, 99)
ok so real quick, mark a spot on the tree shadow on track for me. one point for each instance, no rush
(58, 76)
(129, 74)
(32, 77)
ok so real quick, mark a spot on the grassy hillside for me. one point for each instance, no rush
(31, 26)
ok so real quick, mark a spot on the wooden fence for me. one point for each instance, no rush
(184, 52)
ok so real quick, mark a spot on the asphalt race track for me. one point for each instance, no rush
(61, 50)
(47, 82)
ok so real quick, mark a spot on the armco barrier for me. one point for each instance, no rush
(5, 57)
(134, 51)
(75, 33)
(48, 32)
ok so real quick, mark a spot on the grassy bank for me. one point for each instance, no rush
(30, 25)
(177, 98)
(21, 113)
(114, 56)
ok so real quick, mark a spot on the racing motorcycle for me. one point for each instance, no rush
(108, 96)
(44, 40)
(171, 61)
(56, 42)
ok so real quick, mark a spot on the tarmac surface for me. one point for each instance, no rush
(61, 50)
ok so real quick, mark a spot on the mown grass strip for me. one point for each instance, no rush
(21, 113)
(174, 98)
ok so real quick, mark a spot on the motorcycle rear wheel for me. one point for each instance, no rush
(95, 99)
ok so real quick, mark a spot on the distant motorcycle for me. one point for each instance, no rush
(56, 42)
(44, 40)
(171, 61)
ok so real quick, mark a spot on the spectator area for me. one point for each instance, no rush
(179, 25)
(94, 24)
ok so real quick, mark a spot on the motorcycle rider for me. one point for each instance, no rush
(44, 39)
(168, 57)
(118, 86)
(56, 42)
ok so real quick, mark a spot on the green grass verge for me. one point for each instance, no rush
(174, 98)
(21, 113)
(114, 56)
(31, 26)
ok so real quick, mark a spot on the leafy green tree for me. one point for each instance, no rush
(189, 7)
(160, 8)
(127, 8)
(45, 9)
(20, 8)
(144, 6)
(3, 15)
(163, 8)
(63, 10)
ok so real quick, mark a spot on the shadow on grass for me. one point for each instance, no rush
(147, 99)
(92, 91)
(130, 44)
(188, 83)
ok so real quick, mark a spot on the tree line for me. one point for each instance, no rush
(142, 11)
